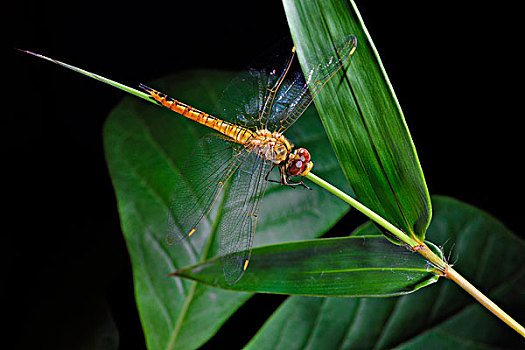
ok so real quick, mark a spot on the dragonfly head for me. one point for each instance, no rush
(299, 163)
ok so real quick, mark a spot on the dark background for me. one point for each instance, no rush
(64, 261)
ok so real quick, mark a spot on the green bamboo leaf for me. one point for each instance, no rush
(364, 266)
(145, 148)
(361, 115)
(441, 316)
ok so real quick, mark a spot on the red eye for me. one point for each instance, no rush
(295, 168)
(303, 154)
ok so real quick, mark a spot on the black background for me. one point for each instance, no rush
(455, 70)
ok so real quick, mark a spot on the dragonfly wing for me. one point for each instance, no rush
(247, 99)
(296, 93)
(238, 223)
(214, 159)
(275, 94)
(291, 100)
(244, 97)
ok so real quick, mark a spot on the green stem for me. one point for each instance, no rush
(443, 268)
(453, 275)
(363, 209)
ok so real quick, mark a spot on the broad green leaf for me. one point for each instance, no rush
(145, 147)
(361, 115)
(364, 266)
(441, 316)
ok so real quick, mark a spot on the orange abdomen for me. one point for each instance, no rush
(238, 133)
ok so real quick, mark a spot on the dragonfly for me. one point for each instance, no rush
(255, 110)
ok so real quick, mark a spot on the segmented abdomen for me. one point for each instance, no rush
(238, 133)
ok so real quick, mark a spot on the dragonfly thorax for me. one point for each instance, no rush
(277, 149)
(271, 146)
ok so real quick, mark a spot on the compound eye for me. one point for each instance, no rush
(303, 155)
(299, 163)
(295, 168)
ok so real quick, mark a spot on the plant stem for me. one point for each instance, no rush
(443, 268)
(453, 275)
(363, 209)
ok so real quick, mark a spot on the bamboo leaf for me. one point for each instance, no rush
(361, 266)
(441, 316)
(361, 115)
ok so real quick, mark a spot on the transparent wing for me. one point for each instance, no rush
(203, 176)
(273, 96)
(295, 93)
(242, 100)
(238, 223)
(247, 99)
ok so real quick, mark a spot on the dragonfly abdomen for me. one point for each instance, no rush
(238, 133)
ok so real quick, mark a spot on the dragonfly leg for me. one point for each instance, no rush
(293, 184)
(285, 180)
(267, 177)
